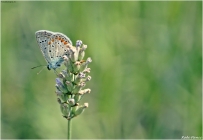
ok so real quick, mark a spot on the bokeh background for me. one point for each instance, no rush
(146, 70)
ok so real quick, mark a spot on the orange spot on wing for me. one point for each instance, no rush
(59, 38)
(49, 43)
(52, 40)
(62, 40)
(65, 43)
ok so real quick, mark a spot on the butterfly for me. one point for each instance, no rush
(53, 46)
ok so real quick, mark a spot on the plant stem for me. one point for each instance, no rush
(69, 129)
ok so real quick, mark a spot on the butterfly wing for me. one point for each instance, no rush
(57, 47)
(42, 37)
(53, 47)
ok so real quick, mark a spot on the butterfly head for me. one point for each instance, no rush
(54, 65)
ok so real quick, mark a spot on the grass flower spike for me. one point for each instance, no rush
(70, 82)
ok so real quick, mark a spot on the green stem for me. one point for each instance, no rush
(69, 121)
(69, 129)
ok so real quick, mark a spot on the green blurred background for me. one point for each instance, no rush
(146, 70)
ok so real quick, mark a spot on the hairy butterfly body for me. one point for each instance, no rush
(53, 46)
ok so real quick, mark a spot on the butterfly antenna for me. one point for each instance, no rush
(37, 66)
(40, 70)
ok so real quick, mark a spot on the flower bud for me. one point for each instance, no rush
(78, 87)
(84, 91)
(74, 108)
(60, 95)
(67, 63)
(60, 86)
(81, 109)
(87, 70)
(76, 66)
(64, 109)
(61, 75)
(89, 60)
(78, 43)
(71, 102)
(79, 77)
(77, 97)
(84, 65)
(68, 75)
(65, 58)
(84, 47)
(58, 82)
(81, 53)
(73, 55)
(87, 79)
(69, 85)
(58, 92)
(80, 94)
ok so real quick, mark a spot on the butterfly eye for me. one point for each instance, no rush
(48, 67)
